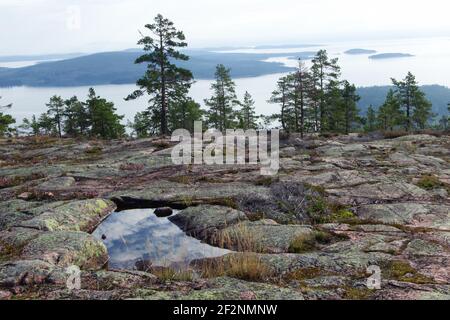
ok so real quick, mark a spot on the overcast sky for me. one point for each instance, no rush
(54, 26)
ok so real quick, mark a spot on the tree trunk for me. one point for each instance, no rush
(164, 130)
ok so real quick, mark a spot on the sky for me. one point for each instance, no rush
(65, 26)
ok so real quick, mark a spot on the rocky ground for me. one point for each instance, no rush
(337, 206)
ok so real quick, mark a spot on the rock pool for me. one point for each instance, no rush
(139, 235)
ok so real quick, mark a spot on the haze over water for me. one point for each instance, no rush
(430, 64)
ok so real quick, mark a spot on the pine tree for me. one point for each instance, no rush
(31, 126)
(443, 123)
(183, 115)
(55, 112)
(5, 121)
(222, 114)
(141, 125)
(76, 118)
(281, 96)
(301, 93)
(416, 107)
(350, 111)
(389, 114)
(47, 124)
(247, 114)
(164, 82)
(325, 73)
(371, 120)
(105, 123)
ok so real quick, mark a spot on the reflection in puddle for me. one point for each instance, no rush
(138, 235)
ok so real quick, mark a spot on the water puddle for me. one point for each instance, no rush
(137, 235)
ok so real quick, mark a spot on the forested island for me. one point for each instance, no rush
(390, 56)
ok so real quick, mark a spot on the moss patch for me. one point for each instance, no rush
(429, 183)
(402, 271)
(309, 242)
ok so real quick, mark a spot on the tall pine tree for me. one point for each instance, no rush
(371, 120)
(165, 82)
(326, 73)
(416, 107)
(350, 111)
(281, 96)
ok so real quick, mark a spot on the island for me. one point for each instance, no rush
(390, 56)
(360, 51)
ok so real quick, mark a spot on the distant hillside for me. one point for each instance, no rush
(375, 96)
(40, 57)
(119, 68)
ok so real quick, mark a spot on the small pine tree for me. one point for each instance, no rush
(389, 114)
(76, 118)
(6, 121)
(247, 115)
(183, 115)
(141, 126)
(371, 120)
(55, 112)
(222, 114)
(443, 123)
(105, 123)
(47, 124)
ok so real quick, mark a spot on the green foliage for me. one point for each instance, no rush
(326, 74)
(94, 118)
(47, 124)
(389, 115)
(222, 105)
(31, 126)
(183, 114)
(402, 271)
(294, 93)
(309, 242)
(247, 115)
(55, 112)
(302, 243)
(77, 118)
(316, 100)
(142, 125)
(429, 183)
(5, 121)
(416, 107)
(165, 82)
(348, 114)
(371, 120)
(105, 123)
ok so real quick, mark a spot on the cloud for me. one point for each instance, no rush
(40, 26)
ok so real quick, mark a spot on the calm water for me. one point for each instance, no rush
(431, 65)
(136, 235)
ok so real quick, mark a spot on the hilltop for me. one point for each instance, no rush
(337, 206)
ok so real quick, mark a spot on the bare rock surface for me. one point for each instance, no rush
(337, 206)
